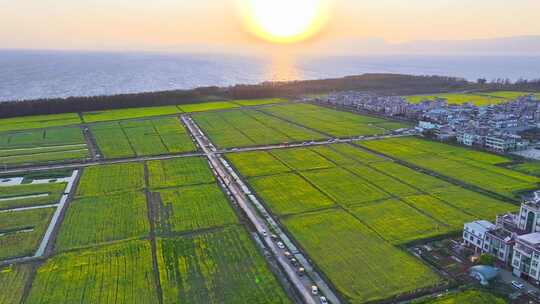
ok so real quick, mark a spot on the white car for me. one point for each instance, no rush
(323, 300)
(280, 245)
(314, 290)
(517, 285)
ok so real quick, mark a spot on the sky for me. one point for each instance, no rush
(204, 25)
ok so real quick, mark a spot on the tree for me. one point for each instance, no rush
(486, 259)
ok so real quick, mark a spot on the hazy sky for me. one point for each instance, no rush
(173, 24)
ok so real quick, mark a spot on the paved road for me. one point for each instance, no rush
(238, 190)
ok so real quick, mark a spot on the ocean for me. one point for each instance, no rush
(50, 74)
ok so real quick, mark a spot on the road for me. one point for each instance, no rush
(237, 190)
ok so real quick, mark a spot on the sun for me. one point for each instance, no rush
(285, 21)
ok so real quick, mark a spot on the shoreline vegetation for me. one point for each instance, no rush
(391, 84)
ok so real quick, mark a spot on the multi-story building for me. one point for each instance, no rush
(499, 242)
(526, 259)
(474, 233)
(529, 217)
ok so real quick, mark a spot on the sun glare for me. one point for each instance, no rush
(285, 21)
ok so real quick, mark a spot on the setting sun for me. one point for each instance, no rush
(285, 21)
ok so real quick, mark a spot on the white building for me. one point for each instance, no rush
(474, 233)
(527, 256)
(529, 217)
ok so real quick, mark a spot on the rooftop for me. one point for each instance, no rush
(531, 238)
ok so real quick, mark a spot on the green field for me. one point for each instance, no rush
(437, 209)
(509, 94)
(300, 159)
(9, 195)
(257, 163)
(119, 114)
(344, 187)
(470, 167)
(398, 222)
(207, 106)
(531, 168)
(38, 121)
(289, 193)
(13, 279)
(258, 102)
(193, 208)
(221, 267)
(179, 172)
(476, 99)
(42, 145)
(465, 297)
(332, 122)
(120, 273)
(109, 179)
(21, 232)
(96, 220)
(241, 128)
(143, 137)
(361, 265)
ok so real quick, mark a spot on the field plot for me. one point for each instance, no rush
(108, 179)
(179, 172)
(119, 114)
(140, 138)
(335, 123)
(439, 210)
(397, 222)
(38, 121)
(479, 99)
(530, 168)
(344, 187)
(21, 232)
(221, 267)
(466, 297)
(289, 193)
(241, 128)
(257, 163)
(258, 102)
(207, 106)
(382, 181)
(508, 94)
(120, 273)
(95, 220)
(193, 208)
(13, 279)
(471, 167)
(362, 266)
(27, 195)
(42, 145)
(302, 159)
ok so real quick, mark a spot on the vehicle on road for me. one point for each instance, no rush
(288, 255)
(274, 237)
(301, 271)
(280, 245)
(517, 285)
(264, 233)
(323, 300)
(294, 262)
(314, 290)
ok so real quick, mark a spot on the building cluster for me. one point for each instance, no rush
(514, 239)
(493, 127)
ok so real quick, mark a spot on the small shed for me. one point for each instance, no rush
(483, 273)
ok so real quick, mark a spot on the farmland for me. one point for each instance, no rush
(344, 197)
(258, 102)
(241, 128)
(193, 208)
(108, 179)
(179, 172)
(21, 195)
(509, 94)
(21, 232)
(13, 278)
(332, 122)
(42, 145)
(96, 220)
(38, 121)
(479, 99)
(220, 267)
(119, 273)
(471, 167)
(139, 138)
(361, 265)
(131, 113)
